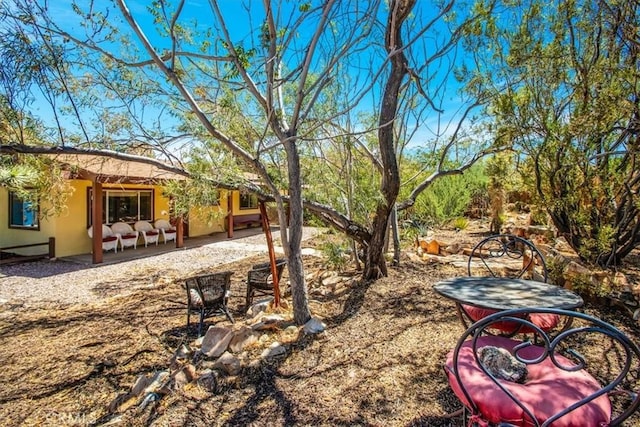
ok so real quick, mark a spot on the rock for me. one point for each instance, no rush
(228, 363)
(575, 269)
(216, 341)
(141, 383)
(275, 349)
(433, 247)
(314, 326)
(541, 230)
(183, 352)
(184, 376)
(430, 246)
(332, 281)
(259, 307)
(243, 338)
(208, 380)
(270, 322)
(158, 383)
(451, 249)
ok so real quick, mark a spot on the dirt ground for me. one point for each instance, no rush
(379, 363)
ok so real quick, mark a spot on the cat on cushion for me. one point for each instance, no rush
(502, 364)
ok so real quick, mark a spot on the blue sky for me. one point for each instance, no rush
(199, 11)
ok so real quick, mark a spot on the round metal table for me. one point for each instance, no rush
(502, 293)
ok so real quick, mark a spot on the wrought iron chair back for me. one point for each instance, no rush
(587, 375)
(260, 280)
(208, 295)
(507, 255)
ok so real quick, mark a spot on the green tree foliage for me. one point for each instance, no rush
(282, 97)
(448, 197)
(566, 78)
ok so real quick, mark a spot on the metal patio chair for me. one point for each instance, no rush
(207, 295)
(260, 280)
(506, 255)
(583, 376)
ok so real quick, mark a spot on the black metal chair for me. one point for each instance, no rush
(506, 255)
(583, 376)
(260, 280)
(207, 295)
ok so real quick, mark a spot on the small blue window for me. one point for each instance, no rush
(22, 213)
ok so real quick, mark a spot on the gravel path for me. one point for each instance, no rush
(64, 283)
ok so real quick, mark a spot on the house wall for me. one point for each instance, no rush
(208, 219)
(14, 236)
(70, 227)
(213, 219)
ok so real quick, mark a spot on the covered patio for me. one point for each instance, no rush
(152, 250)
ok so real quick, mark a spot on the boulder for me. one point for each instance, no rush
(275, 349)
(216, 341)
(184, 376)
(243, 338)
(314, 326)
(228, 363)
(208, 380)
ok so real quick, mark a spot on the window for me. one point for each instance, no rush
(22, 213)
(124, 205)
(248, 201)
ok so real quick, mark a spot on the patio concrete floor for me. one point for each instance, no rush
(189, 242)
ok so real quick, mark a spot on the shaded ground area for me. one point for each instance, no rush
(378, 363)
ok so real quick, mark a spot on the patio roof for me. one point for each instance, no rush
(105, 169)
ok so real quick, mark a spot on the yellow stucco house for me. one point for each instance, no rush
(130, 190)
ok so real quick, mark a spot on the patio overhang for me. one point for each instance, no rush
(109, 170)
(115, 168)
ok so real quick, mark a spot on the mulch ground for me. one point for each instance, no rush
(378, 363)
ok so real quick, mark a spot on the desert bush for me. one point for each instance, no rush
(461, 223)
(336, 254)
(449, 197)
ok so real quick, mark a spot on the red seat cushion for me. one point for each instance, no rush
(151, 233)
(129, 236)
(545, 321)
(109, 238)
(547, 390)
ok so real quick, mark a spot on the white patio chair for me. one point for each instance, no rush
(109, 238)
(128, 236)
(167, 230)
(149, 234)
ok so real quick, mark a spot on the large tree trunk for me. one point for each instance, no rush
(375, 264)
(301, 313)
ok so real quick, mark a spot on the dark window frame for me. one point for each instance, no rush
(105, 194)
(253, 201)
(14, 198)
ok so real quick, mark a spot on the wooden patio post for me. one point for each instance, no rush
(230, 215)
(96, 221)
(179, 232)
(272, 254)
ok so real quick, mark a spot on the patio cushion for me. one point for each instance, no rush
(545, 321)
(196, 301)
(547, 390)
(109, 238)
